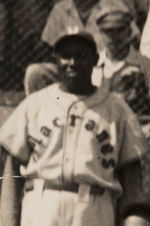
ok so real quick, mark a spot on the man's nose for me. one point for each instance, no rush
(72, 61)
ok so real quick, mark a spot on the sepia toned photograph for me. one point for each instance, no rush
(74, 112)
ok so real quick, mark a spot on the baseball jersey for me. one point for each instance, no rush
(62, 137)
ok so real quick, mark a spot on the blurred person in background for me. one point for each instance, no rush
(123, 69)
(126, 72)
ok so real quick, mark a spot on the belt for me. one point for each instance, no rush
(73, 187)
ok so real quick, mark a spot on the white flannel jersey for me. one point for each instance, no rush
(70, 138)
(65, 138)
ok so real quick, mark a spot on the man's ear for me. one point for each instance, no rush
(54, 56)
(96, 58)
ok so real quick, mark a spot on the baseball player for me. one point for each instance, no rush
(73, 142)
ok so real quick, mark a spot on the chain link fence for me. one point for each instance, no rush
(21, 25)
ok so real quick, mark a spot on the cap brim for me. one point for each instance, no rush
(81, 36)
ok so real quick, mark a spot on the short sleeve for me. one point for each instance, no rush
(13, 134)
(133, 144)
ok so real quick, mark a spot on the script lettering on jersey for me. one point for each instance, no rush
(45, 131)
(102, 136)
(57, 122)
(108, 163)
(90, 125)
(106, 149)
(33, 141)
(73, 120)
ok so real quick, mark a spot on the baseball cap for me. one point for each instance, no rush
(75, 33)
(64, 22)
(115, 17)
(114, 20)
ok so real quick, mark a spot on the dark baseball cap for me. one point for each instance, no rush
(74, 33)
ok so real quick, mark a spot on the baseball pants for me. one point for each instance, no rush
(64, 208)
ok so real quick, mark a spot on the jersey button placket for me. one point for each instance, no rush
(69, 152)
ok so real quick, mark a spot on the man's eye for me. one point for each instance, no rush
(82, 55)
(79, 56)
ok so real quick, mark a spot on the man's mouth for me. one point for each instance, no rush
(72, 73)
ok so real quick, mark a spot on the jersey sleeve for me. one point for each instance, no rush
(133, 144)
(134, 201)
(13, 133)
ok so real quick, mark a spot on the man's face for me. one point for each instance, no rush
(75, 60)
(117, 39)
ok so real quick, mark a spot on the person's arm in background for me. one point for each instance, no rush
(134, 206)
(11, 189)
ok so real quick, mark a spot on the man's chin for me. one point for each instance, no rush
(72, 81)
(74, 88)
(72, 74)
